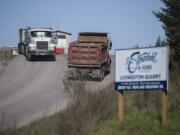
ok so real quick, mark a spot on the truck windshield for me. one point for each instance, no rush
(41, 34)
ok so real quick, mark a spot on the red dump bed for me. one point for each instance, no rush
(89, 49)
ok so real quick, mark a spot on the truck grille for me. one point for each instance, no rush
(42, 45)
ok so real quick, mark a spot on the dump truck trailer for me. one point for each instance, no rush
(89, 56)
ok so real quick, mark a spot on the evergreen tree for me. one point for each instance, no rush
(163, 42)
(158, 42)
(170, 17)
(136, 46)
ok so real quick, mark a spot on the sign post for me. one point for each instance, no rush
(164, 108)
(142, 69)
(120, 106)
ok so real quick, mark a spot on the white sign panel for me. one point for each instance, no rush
(141, 69)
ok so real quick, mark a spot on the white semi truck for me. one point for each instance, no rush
(36, 42)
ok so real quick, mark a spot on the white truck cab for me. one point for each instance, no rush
(39, 43)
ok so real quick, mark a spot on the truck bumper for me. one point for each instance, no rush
(42, 52)
(77, 73)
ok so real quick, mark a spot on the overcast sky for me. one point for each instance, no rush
(129, 22)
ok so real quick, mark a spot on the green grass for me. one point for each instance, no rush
(140, 124)
(46, 126)
(145, 118)
(137, 123)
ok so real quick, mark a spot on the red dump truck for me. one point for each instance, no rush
(89, 56)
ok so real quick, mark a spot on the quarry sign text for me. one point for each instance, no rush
(141, 69)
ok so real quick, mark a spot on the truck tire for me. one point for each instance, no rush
(108, 70)
(24, 50)
(29, 57)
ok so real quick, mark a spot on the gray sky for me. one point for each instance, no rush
(129, 22)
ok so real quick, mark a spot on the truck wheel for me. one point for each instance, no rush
(24, 50)
(108, 71)
(29, 57)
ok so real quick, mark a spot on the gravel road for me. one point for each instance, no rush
(32, 90)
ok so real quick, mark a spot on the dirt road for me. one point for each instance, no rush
(32, 90)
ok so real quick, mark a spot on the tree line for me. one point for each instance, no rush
(169, 15)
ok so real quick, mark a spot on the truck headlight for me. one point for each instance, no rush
(32, 48)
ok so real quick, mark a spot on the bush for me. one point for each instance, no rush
(86, 109)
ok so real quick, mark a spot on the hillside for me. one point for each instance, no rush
(95, 113)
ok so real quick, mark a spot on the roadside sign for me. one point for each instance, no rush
(141, 69)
